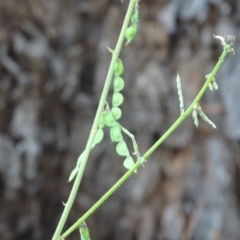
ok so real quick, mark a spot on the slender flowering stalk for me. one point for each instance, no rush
(115, 54)
(227, 42)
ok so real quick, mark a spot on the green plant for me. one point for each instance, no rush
(108, 117)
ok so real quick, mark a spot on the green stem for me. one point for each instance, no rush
(152, 149)
(102, 102)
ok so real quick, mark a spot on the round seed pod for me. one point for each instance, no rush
(122, 149)
(101, 122)
(131, 33)
(109, 119)
(118, 84)
(115, 134)
(118, 68)
(116, 112)
(117, 99)
(128, 162)
(98, 136)
(134, 18)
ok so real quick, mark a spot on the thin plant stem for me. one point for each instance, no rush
(152, 149)
(115, 54)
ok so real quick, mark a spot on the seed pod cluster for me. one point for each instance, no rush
(131, 31)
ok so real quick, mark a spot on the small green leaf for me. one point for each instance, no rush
(206, 119)
(73, 174)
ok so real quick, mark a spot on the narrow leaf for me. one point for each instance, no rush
(205, 118)
(180, 94)
(135, 146)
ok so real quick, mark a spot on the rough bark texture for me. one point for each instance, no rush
(53, 63)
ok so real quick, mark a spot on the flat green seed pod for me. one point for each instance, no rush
(134, 17)
(117, 99)
(130, 33)
(109, 119)
(101, 122)
(122, 149)
(98, 136)
(115, 134)
(118, 84)
(128, 162)
(118, 68)
(117, 112)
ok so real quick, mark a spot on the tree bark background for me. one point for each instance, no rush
(53, 63)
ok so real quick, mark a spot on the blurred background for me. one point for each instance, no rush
(53, 64)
